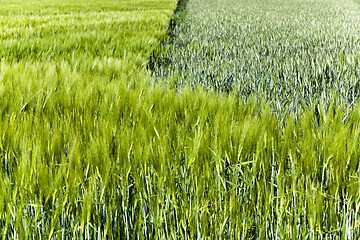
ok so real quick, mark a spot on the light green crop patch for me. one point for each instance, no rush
(86, 39)
(68, 62)
(48, 30)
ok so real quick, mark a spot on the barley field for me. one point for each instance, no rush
(159, 119)
(292, 52)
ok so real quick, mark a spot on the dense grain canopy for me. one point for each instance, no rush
(66, 69)
(93, 147)
(292, 53)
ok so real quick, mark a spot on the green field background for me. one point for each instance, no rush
(240, 123)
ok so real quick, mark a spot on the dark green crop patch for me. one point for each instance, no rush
(291, 53)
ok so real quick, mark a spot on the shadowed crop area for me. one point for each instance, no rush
(249, 127)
